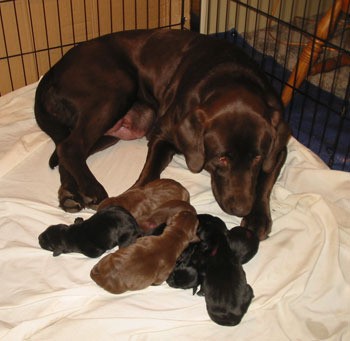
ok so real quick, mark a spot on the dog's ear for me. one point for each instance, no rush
(190, 139)
(280, 133)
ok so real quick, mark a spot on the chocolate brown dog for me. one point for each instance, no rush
(151, 258)
(104, 230)
(188, 94)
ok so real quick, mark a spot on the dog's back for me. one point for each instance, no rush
(128, 49)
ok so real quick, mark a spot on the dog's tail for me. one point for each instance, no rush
(49, 120)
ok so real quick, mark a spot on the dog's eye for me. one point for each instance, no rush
(223, 160)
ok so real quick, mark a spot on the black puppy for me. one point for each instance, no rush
(104, 230)
(225, 289)
(189, 269)
(188, 272)
(213, 265)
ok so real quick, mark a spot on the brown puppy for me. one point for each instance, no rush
(187, 93)
(143, 201)
(150, 259)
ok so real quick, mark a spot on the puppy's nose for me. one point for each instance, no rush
(43, 241)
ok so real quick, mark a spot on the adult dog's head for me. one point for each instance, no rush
(234, 134)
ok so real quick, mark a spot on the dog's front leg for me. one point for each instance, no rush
(79, 187)
(68, 194)
(259, 219)
(160, 153)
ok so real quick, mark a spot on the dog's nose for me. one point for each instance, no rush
(238, 209)
(241, 211)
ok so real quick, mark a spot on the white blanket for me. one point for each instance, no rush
(300, 276)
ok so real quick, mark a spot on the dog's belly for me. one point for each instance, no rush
(136, 123)
(124, 131)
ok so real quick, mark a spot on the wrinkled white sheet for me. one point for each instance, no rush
(300, 277)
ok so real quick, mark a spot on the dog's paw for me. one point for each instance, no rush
(94, 196)
(260, 224)
(70, 202)
(92, 202)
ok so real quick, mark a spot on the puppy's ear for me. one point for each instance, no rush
(190, 139)
(56, 253)
(280, 133)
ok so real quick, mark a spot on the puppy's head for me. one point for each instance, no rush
(190, 265)
(243, 242)
(185, 273)
(224, 314)
(227, 293)
(184, 278)
(53, 239)
(209, 224)
(105, 274)
(211, 230)
(233, 135)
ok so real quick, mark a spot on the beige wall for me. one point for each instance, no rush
(222, 15)
(35, 30)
